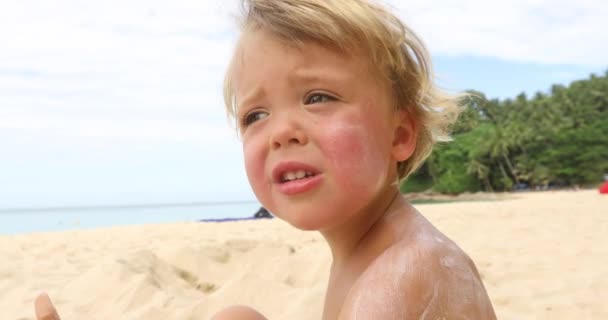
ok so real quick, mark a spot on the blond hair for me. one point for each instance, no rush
(395, 51)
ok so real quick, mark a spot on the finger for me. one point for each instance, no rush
(44, 308)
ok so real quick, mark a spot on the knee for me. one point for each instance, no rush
(238, 313)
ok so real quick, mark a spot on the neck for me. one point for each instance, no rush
(345, 240)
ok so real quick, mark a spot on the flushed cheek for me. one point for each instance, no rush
(359, 163)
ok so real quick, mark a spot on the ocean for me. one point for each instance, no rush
(29, 220)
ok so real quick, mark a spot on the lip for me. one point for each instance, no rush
(300, 186)
(296, 186)
(281, 168)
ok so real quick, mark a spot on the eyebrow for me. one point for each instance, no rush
(297, 77)
(306, 75)
(257, 94)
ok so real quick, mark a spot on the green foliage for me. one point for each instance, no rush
(419, 181)
(578, 156)
(415, 184)
(448, 166)
(560, 138)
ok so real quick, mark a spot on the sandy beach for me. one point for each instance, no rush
(541, 255)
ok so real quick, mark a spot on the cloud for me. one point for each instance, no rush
(92, 64)
(541, 31)
(135, 69)
(126, 129)
(85, 84)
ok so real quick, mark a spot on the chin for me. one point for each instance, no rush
(307, 221)
(304, 227)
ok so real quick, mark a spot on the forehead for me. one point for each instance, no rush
(261, 53)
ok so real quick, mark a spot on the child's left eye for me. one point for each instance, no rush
(318, 98)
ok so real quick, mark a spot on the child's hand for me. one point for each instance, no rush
(44, 308)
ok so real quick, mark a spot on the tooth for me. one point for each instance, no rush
(300, 174)
(290, 176)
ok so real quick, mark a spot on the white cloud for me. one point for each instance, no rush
(127, 129)
(539, 31)
(159, 57)
(73, 61)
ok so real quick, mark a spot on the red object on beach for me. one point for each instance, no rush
(604, 188)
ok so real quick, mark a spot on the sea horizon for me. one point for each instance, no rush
(20, 220)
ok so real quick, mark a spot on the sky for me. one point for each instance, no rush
(119, 102)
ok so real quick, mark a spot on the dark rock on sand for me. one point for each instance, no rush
(262, 213)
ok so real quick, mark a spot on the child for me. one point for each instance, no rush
(335, 104)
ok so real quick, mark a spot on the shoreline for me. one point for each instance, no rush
(66, 222)
(541, 255)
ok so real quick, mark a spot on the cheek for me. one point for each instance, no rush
(254, 166)
(358, 158)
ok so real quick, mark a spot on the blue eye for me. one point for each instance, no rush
(318, 98)
(252, 117)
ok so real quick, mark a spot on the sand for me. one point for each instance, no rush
(541, 255)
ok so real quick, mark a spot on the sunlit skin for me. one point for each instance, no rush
(44, 308)
(311, 108)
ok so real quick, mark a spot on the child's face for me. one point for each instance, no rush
(313, 112)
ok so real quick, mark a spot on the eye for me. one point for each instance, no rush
(318, 98)
(252, 117)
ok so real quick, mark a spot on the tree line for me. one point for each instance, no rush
(555, 139)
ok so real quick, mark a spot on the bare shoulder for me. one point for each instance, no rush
(425, 276)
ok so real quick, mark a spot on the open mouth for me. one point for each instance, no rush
(294, 178)
(296, 175)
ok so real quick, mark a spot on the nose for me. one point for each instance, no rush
(286, 133)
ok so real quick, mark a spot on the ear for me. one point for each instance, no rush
(405, 136)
